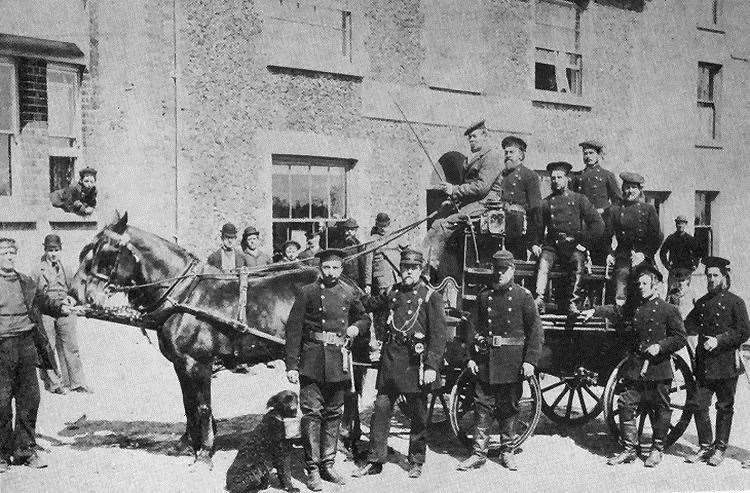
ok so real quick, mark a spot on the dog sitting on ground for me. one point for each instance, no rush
(267, 448)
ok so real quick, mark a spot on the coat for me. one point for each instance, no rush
(481, 178)
(599, 185)
(214, 259)
(520, 186)
(653, 321)
(570, 214)
(636, 227)
(36, 304)
(319, 308)
(45, 278)
(399, 365)
(74, 199)
(355, 269)
(722, 315)
(509, 313)
(378, 271)
(254, 261)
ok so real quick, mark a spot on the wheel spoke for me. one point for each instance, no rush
(559, 397)
(583, 404)
(615, 412)
(570, 405)
(678, 406)
(592, 394)
(554, 385)
(524, 424)
(672, 390)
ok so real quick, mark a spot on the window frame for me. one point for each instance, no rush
(311, 162)
(715, 82)
(64, 68)
(716, 22)
(584, 52)
(14, 129)
(710, 199)
(279, 56)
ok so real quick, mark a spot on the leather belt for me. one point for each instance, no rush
(327, 338)
(498, 341)
(13, 314)
(398, 338)
(515, 207)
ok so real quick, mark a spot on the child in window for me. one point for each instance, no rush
(79, 198)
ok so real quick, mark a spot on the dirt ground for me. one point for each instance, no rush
(135, 416)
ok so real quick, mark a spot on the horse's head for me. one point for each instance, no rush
(108, 262)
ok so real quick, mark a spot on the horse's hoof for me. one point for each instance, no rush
(202, 464)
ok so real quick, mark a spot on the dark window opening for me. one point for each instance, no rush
(60, 172)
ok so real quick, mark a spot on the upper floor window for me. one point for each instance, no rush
(709, 12)
(558, 59)
(321, 35)
(8, 121)
(62, 101)
(703, 231)
(709, 86)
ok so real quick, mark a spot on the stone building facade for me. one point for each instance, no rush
(277, 112)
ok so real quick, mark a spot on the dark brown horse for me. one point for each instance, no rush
(166, 282)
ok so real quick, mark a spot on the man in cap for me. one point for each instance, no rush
(23, 346)
(572, 225)
(313, 245)
(658, 333)
(79, 198)
(636, 227)
(379, 272)
(522, 195)
(52, 280)
(326, 315)
(481, 183)
(505, 350)
(720, 321)
(679, 254)
(600, 186)
(227, 257)
(250, 245)
(356, 269)
(413, 351)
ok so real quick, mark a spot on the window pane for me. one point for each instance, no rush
(5, 177)
(319, 191)
(7, 75)
(60, 172)
(299, 188)
(62, 94)
(704, 238)
(338, 192)
(544, 77)
(280, 191)
(558, 26)
(706, 120)
(701, 209)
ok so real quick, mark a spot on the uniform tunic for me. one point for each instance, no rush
(570, 214)
(520, 187)
(722, 315)
(600, 186)
(654, 321)
(636, 227)
(320, 308)
(413, 309)
(511, 313)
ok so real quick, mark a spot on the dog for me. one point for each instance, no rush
(267, 448)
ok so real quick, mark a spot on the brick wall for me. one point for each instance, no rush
(32, 88)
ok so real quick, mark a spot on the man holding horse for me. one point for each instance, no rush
(414, 344)
(325, 318)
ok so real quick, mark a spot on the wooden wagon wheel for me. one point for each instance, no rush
(572, 399)
(681, 391)
(462, 411)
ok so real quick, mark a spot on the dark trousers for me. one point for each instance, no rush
(724, 388)
(516, 238)
(380, 425)
(322, 407)
(651, 397)
(573, 264)
(18, 382)
(498, 401)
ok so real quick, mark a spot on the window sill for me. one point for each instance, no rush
(709, 144)
(352, 69)
(561, 98)
(712, 28)
(54, 215)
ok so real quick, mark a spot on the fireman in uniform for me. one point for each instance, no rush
(506, 347)
(414, 343)
(324, 319)
(720, 321)
(657, 333)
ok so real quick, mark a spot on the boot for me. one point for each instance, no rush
(701, 455)
(481, 442)
(716, 458)
(415, 470)
(4, 465)
(656, 455)
(329, 441)
(629, 433)
(746, 463)
(473, 462)
(35, 462)
(311, 443)
(313, 480)
(576, 288)
(369, 469)
(508, 459)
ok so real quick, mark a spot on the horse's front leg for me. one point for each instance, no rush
(201, 374)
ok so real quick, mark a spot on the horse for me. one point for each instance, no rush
(194, 309)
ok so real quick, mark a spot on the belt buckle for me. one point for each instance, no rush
(497, 341)
(330, 338)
